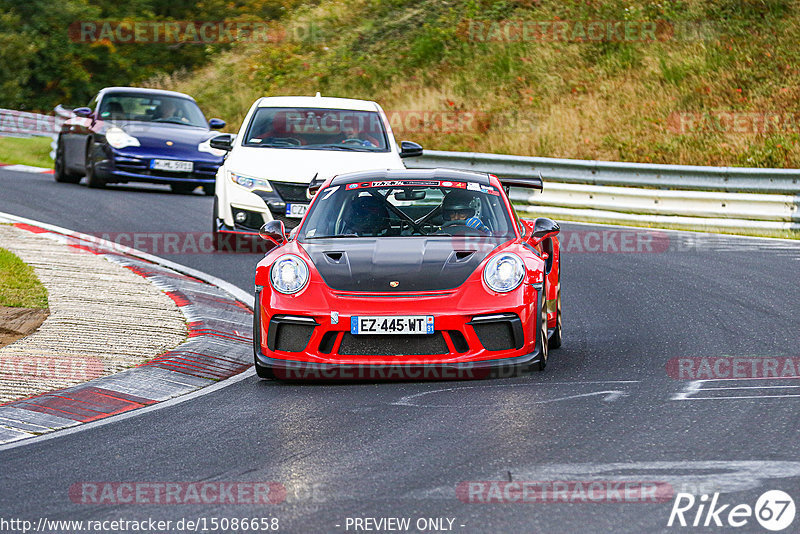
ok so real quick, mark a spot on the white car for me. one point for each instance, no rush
(284, 144)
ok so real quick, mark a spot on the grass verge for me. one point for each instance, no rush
(34, 151)
(717, 85)
(19, 286)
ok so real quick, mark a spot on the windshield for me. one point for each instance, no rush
(407, 208)
(317, 129)
(151, 108)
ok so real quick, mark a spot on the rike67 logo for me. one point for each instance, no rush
(774, 510)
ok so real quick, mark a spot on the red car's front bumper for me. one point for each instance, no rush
(476, 335)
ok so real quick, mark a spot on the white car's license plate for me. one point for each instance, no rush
(171, 165)
(296, 211)
(391, 324)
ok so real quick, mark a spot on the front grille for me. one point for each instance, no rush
(288, 222)
(495, 336)
(327, 342)
(291, 192)
(392, 345)
(288, 337)
(458, 340)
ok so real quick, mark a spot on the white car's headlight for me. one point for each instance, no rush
(289, 274)
(205, 146)
(249, 182)
(117, 138)
(504, 272)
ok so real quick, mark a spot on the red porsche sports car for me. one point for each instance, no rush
(408, 274)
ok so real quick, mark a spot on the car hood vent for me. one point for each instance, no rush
(393, 264)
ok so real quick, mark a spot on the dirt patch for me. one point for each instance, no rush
(16, 323)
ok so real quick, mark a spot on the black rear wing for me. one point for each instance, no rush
(531, 182)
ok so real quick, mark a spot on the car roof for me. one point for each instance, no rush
(324, 102)
(411, 174)
(144, 91)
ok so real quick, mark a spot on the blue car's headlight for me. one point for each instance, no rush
(289, 274)
(117, 138)
(249, 182)
(504, 272)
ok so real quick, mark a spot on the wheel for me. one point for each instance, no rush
(182, 189)
(60, 171)
(541, 335)
(93, 180)
(209, 189)
(555, 339)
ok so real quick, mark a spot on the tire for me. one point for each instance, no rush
(555, 339)
(209, 189)
(541, 332)
(59, 169)
(94, 181)
(182, 189)
(216, 237)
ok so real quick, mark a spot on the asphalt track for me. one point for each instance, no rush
(605, 408)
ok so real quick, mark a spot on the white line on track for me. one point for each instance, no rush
(697, 387)
(610, 395)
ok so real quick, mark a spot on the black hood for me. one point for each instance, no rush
(415, 263)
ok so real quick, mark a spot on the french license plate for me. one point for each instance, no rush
(391, 324)
(171, 165)
(296, 211)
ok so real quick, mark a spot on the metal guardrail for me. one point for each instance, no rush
(709, 198)
(692, 196)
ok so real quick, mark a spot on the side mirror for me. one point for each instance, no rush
(544, 228)
(83, 112)
(409, 149)
(314, 186)
(273, 231)
(222, 142)
(216, 124)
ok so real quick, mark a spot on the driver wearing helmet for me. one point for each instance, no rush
(367, 216)
(458, 210)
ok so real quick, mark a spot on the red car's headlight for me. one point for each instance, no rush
(504, 272)
(289, 274)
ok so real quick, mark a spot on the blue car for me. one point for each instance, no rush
(129, 134)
